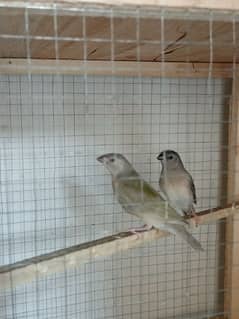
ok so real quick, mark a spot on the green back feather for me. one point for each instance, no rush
(138, 197)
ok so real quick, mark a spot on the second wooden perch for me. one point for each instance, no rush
(29, 269)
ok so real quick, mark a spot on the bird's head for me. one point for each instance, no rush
(170, 159)
(116, 164)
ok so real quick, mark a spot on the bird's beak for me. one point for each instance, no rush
(160, 157)
(101, 159)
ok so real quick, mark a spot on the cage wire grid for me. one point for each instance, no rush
(54, 194)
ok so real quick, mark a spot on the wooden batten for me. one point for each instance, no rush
(120, 68)
(205, 4)
(190, 4)
(232, 226)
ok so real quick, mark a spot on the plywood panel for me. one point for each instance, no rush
(183, 40)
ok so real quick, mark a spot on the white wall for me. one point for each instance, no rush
(55, 194)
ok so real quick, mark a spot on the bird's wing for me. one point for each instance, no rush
(191, 186)
(139, 198)
(193, 189)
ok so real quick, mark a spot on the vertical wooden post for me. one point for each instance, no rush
(231, 301)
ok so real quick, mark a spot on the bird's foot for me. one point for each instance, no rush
(195, 219)
(138, 230)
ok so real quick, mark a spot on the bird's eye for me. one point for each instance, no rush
(112, 160)
(170, 157)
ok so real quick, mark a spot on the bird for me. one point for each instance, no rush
(176, 184)
(139, 198)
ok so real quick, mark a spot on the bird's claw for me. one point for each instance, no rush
(195, 220)
(138, 230)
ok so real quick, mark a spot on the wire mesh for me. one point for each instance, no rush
(54, 194)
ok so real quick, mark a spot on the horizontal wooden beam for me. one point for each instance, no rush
(202, 4)
(120, 68)
(32, 268)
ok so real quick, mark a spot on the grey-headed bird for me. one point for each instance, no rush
(137, 197)
(176, 184)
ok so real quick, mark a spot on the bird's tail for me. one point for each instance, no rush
(182, 232)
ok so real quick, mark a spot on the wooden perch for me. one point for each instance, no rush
(27, 270)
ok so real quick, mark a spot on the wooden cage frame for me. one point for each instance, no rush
(12, 62)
